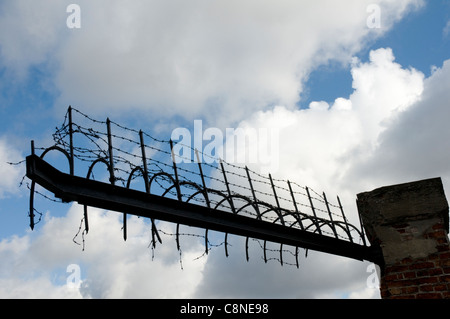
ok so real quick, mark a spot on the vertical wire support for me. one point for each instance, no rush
(281, 216)
(329, 213)
(33, 185)
(256, 207)
(345, 220)
(312, 207)
(231, 202)
(110, 153)
(265, 255)
(205, 194)
(276, 199)
(174, 165)
(71, 141)
(295, 205)
(253, 193)
(228, 188)
(281, 254)
(363, 234)
(72, 165)
(246, 249)
(147, 188)
(112, 179)
(177, 186)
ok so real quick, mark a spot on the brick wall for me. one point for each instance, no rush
(410, 224)
(419, 278)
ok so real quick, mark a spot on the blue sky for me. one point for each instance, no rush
(346, 94)
(419, 41)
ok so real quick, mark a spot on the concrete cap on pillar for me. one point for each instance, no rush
(385, 208)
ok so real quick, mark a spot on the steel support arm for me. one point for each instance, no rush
(120, 199)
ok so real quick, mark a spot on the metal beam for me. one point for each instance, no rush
(115, 198)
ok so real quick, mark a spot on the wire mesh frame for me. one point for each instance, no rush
(190, 189)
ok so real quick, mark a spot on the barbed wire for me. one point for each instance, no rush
(214, 182)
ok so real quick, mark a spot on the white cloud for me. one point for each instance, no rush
(416, 144)
(34, 266)
(446, 30)
(10, 174)
(316, 144)
(326, 147)
(32, 33)
(340, 148)
(220, 60)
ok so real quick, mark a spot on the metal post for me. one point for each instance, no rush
(177, 186)
(345, 219)
(71, 141)
(228, 187)
(329, 213)
(295, 205)
(253, 193)
(312, 207)
(276, 199)
(110, 153)
(33, 185)
(231, 203)
(147, 188)
(174, 165)
(363, 234)
(206, 196)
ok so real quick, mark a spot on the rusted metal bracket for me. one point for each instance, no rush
(112, 197)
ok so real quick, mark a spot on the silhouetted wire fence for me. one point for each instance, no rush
(135, 159)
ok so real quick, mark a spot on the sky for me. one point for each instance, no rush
(358, 92)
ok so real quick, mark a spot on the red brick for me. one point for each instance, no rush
(395, 291)
(433, 295)
(441, 287)
(392, 277)
(423, 273)
(409, 275)
(427, 280)
(435, 271)
(410, 290)
(433, 256)
(424, 288)
(444, 255)
(401, 283)
(394, 269)
(444, 278)
(422, 265)
(438, 226)
(437, 234)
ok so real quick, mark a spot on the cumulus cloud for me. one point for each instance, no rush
(354, 144)
(10, 174)
(389, 129)
(415, 145)
(316, 144)
(446, 30)
(224, 60)
(219, 60)
(36, 265)
(33, 33)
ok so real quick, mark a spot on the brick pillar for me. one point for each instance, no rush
(410, 223)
